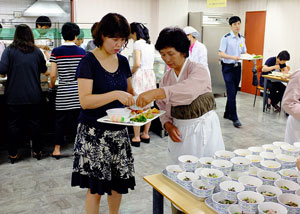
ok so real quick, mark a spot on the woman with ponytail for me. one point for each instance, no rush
(143, 77)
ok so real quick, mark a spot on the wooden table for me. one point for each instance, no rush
(163, 187)
(273, 79)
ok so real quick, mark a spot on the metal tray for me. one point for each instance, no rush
(164, 172)
(106, 119)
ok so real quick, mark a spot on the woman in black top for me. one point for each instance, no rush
(23, 62)
(103, 161)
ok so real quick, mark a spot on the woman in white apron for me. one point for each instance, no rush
(185, 94)
(291, 104)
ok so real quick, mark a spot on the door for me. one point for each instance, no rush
(254, 35)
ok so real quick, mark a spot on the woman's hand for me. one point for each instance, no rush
(148, 96)
(145, 98)
(298, 163)
(173, 132)
(125, 98)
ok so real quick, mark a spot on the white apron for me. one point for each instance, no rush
(292, 130)
(201, 137)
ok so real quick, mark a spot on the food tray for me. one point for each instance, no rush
(106, 119)
(164, 172)
(209, 202)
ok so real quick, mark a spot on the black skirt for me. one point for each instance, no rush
(103, 160)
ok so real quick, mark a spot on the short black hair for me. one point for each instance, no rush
(141, 31)
(69, 30)
(93, 28)
(0, 25)
(284, 55)
(112, 25)
(173, 37)
(43, 21)
(234, 19)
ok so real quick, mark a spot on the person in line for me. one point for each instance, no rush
(198, 51)
(143, 76)
(276, 88)
(80, 39)
(103, 160)
(43, 39)
(64, 61)
(291, 104)
(231, 47)
(91, 45)
(23, 63)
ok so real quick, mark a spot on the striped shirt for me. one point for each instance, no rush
(67, 58)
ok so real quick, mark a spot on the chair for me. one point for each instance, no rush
(261, 89)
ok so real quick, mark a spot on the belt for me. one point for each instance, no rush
(232, 64)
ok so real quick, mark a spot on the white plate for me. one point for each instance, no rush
(249, 57)
(106, 119)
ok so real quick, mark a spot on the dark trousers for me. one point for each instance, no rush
(276, 91)
(66, 123)
(22, 117)
(232, 77)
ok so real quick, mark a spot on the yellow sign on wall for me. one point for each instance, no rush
(216, 3)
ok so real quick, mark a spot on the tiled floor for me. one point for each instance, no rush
(32, 186)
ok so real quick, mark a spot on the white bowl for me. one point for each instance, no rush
(236, 209)
(267, 155)
(253, 171)
(264, 207)
(256, 150)
(267, 191)
(297, 144)
(240, 164)
(250, 182)
(255, 159)
(286, 161)
(290, 150)
(289, 174)
(186, 175)
(277, 151)
(173, 171)
(230, 189)
(224, 155)
(250, 207)
(287, 197)
(205, 190)
(205, 176)
(188, 162)
(217, 187)
(279, 143)
(198, 172)
(206, 162)
(270, 147)
(297, 192)
(242, 152)
(270, 165)
(222, 165)
(268, 177)
(216, 198)
(287, 186)
(118, 114)
(235, 175)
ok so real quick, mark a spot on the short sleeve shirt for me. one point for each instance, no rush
(103, 82)
(233, 46)
(270, 62)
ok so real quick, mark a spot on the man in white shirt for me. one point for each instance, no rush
(198, 51)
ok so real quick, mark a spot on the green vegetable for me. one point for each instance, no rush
(139, 118)
(257, 56)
